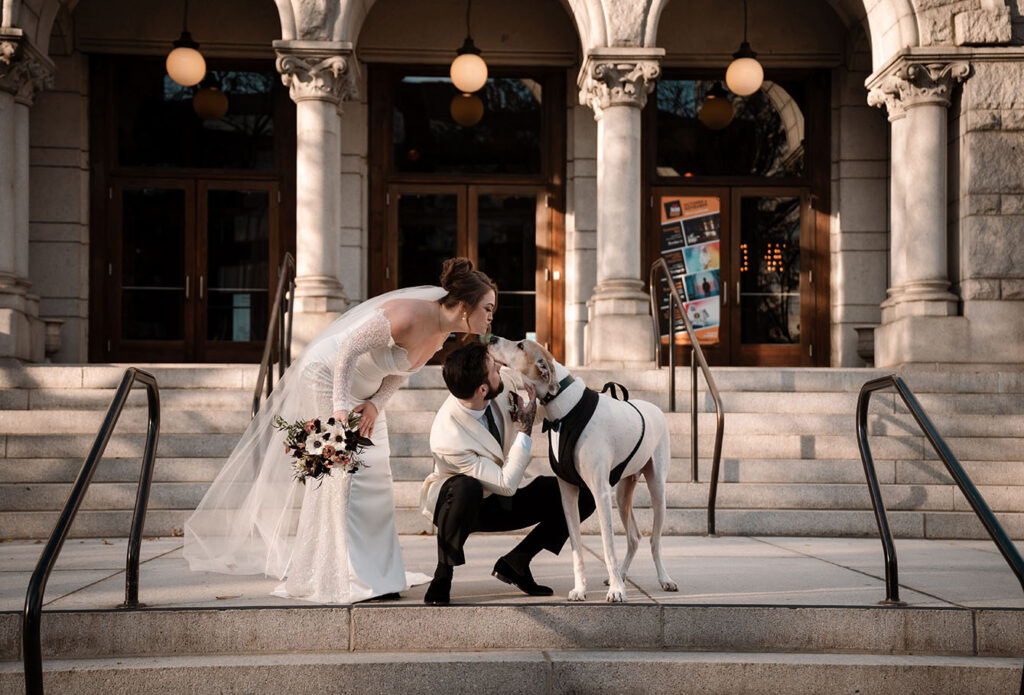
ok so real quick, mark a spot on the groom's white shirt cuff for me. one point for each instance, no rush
(522, 438)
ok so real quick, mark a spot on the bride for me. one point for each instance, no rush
(344, 548)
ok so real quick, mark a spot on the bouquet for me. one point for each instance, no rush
(317, 447)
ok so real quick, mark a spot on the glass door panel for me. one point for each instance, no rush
(693, 240)
(767, 268)
(153, 264)
(506, 248)
(151, 273)
(428, 228)
(770, 270)
(237, 265)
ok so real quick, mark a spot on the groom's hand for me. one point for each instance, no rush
(524, 414)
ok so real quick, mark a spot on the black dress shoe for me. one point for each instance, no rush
(524, 580)
(439, 592)
(393, 596)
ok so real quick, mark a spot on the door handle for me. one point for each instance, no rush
(186, 286)
(738, 294)
(200, 286)
(725, 294)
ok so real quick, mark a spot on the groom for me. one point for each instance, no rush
(481, 450)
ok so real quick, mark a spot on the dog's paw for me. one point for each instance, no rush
(578, 595)
(669, 585)
(616, 595)
(608, 582)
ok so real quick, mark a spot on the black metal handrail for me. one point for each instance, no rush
(30, 625)
(696, 357)
(279, 332)
(959, 475)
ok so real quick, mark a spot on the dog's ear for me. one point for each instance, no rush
(546, 368)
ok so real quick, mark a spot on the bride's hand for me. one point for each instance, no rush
(369, 416)
(341, 416)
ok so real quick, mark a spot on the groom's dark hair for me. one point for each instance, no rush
(465, 369)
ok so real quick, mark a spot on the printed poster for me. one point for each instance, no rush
(690, 244)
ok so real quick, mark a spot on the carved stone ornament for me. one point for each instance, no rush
(608, 81)
(910, 84)
(24, 72)
(321, 77)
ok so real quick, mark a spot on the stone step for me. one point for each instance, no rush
(528, 672)
(29, 497)
(739, 446)
(678, 522)
(73, 634)
(415, 469)
(205, 420)
(752, 379)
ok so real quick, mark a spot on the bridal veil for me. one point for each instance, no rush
(245, 523)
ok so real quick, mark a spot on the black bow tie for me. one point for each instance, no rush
(550, 425)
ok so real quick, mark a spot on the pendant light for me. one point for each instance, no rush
(185, 64)
(466, 109)
(468, 70)
(210, 102)
(744, 75)
(716, 112)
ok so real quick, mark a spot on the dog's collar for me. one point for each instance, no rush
(562, 385)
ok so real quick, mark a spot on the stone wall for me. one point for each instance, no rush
(859, 237)
(59, 203)
(991, 224)
(580, 223)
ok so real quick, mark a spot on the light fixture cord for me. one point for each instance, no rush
(184, 21)
(469, 5)
(744, 19)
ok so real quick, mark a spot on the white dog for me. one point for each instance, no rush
(621, 440)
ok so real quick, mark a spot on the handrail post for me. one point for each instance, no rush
(675, 301)
(32, 616)
(131, 584)
(671, 356)
(693, 416)
(892, 584)
(279, 335)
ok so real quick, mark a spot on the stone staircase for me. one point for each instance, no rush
(790, 461)
(524, 648)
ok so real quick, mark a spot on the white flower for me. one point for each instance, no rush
(315, 443)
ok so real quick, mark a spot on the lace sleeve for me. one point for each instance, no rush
(375, 332)
(387, 389)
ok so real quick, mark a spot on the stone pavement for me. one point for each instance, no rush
(732, 570)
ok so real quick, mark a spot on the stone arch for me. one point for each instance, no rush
(587, 15)
(891, 25)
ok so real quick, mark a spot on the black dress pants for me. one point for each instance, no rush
(462, 509)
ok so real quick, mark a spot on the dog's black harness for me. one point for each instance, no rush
(570, 428)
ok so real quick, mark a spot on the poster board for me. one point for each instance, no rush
(691, 245)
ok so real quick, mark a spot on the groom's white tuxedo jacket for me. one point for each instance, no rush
(461, 444)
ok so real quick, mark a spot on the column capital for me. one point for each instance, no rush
(318, 70)
(906, 83)
(24, 69)
(618, 77)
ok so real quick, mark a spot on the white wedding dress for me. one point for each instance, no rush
(344, 547)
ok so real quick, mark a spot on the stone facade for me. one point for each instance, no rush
(927, 211)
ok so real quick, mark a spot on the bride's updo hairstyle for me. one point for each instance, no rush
(464, 283)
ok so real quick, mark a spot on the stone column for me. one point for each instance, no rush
(320, 76)
(24, 71)
(917, 97)
(615, 83)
